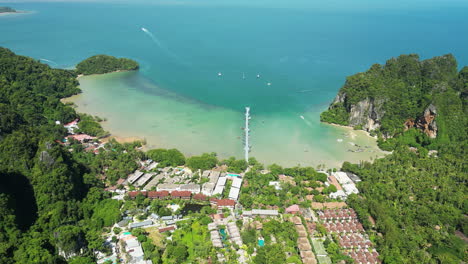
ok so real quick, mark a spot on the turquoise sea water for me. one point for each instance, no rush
(304, 49)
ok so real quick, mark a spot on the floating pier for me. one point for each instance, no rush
(247, 132)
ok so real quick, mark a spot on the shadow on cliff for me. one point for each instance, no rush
(22, 200)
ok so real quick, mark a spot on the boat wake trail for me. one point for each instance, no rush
(49, 61)
(162, 47)
(306, 121)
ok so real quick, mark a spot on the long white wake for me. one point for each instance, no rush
(161, 46)
(306, 121)
(49, 61)
(155, 40)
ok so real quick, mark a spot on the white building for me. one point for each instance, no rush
(134, 176)
(234, 193)
(194, 188)
(237, 183)
(207, 188)
(168, 187)
(276, 184)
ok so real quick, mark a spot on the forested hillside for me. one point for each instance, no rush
(405, 94)
(47, 196)
(416, 196)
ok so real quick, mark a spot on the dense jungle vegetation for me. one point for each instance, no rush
(417, 197)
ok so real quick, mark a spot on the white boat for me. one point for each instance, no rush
(269, 84)
(220, 74)
(302, 117)
(258, 75)
(243, 76)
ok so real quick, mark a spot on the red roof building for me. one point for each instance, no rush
(181, 194)
(134, 194)
(82, 137)
(72, 123)
(165, 229)
(158, 195)
(200, 197)
(293, 209)
(225, 203)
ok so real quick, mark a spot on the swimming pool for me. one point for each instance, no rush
(223, 234)
(261, 242)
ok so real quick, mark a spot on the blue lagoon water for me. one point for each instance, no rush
(303, 49)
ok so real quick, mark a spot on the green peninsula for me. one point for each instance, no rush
(425, 98)
(100, 64)
(6, 9)
(415, 197)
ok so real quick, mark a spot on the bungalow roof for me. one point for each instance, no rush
(165, 229)
(200, 197)
(226, 202)
(181, 194)
(293, 209)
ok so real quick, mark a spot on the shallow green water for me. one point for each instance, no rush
(165, 119)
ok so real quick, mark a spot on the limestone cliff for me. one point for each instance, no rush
(401, 94)
(367, 113)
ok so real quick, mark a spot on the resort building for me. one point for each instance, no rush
(207, 188)
(140, 224)
(134, 176)
(194, 188)
(260, 212)
(170, 187)
(293, 209)
(144, 179)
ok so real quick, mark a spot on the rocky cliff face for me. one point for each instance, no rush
(384, 96)
(426, 122)
(367, 113)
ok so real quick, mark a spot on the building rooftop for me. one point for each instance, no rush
(293, 209)
(168, 187)
(200, 196)
(234, 193)
(146, 177)
(225, 202)
(342, 177)
(181, 194)
(237, 183)
(134, 176)
(140, 224)
(190, 187)
(158, 194)
(221, 181)
(264, 212)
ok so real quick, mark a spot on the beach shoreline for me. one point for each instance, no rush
(351, 128)
(99, 74)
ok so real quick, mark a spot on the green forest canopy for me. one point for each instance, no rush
(100, 64)
(401, 90)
